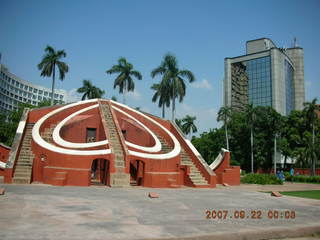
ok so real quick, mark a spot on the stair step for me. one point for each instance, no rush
(21, 180)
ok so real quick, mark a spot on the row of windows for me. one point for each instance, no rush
(289, 87)
(260, 84)
(15, 100)
(255, 74)
(9, 82)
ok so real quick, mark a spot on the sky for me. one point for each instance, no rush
(200, 33)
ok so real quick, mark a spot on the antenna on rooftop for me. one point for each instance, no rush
(295, 42)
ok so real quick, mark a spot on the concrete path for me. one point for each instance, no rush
(47, 212)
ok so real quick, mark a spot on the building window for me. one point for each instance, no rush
(259, 79)
(288, 75)
(40, 92)
(35, 90)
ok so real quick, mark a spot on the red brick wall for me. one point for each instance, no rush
(4, 154)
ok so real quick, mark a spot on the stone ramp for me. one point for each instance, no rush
(23, 169)
(120, 178)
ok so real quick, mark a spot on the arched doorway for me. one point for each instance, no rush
(137, 173)
(100, 172)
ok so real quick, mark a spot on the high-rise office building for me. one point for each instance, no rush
(14, 90)
(265, 76)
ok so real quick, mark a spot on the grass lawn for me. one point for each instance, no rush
(314, 194)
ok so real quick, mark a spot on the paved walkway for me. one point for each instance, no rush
(47, 212)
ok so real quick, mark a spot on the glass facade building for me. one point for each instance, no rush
(270, 76)
(14, 90)
(260, 84)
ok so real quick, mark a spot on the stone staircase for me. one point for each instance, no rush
(195, 176)
(120, 178)
(165, 148)
(23, 169)
(47, 133)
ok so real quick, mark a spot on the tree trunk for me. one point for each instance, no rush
(313, 155)
(124, 92)
(53, 82)
(173, 104)
(275, 156)
(227, 139)
(251, 137)
(163, 111)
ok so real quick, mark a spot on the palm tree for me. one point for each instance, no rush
(48, 65)
(124, 79)
(90, 91)
(188, 125)
(179, 123)
(250, 116)
(310, 109)
(173, 77)
(161, 92)
(224, 115)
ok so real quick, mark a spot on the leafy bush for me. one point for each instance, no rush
(256, 178)
(304, 178)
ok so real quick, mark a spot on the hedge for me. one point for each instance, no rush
(256, 178)
(304, 178)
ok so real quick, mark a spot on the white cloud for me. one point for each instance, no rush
(72, 96)
(134, 95)
(204, 84)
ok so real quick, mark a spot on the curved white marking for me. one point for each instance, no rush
(39, 140)
(218, 159)
(175, 151)
(2, 165)
(57, 138)
(21, 126)
(155, 148)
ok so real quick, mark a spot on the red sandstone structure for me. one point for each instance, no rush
(4, 155)
(104, 142)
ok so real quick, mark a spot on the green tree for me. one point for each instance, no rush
(90, 91)
(162, 92)
(124, 80)
(188, 125)
(209, 144)
(310, 109)
(48, 64)
(173, 79)
(224, 115)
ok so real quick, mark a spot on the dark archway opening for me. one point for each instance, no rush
(100, 172)
(137, 173)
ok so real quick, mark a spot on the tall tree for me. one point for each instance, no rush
(48, 64)
(250, 117)
(174, 78)
(90, 91)
(188, 125)
(224, 115)
(124, 80)
(310, 109)
(162, 92)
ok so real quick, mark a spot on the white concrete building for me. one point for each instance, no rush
(14, 90)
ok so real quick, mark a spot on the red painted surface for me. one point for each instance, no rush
(4, 154)
(63, 169)
(226, 173)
